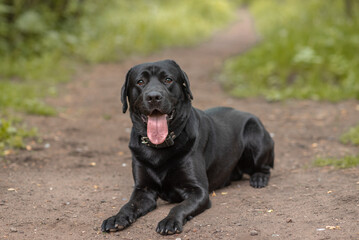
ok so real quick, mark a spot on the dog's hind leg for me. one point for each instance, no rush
(260, 178)
(258, 155)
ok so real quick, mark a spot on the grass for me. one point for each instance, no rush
(349, 137)
(118, 31)
(13, 135)
(352, 136)
(309, 51)
(345, 162)
(107, 32)
(26, 97)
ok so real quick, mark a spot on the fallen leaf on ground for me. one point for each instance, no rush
(8, 152)
(333, 227)
(93, 164)
(224, 193)
(11, 189)
(214, 194)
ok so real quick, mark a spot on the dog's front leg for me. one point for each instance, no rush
(197, 202)
(142, 201)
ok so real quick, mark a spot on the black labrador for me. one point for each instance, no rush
(180, 153)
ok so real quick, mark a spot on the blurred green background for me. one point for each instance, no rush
(308, 49)
(42, 43)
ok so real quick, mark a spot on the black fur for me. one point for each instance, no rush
(213, 148)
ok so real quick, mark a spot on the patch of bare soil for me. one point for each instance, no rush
(81, 174)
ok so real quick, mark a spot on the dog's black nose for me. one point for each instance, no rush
(154, 97)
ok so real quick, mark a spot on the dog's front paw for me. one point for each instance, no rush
(259, 180)
(117, 222)
(169, 226)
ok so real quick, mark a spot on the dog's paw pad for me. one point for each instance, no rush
(115, 223)
(169, 226)
(259, 180)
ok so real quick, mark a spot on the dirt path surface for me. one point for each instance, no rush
(81, 173)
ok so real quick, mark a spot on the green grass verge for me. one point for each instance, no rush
(352, 136)
(309, 51)
(25, 97)
(349, 137)
(12, 135)
(345, 162)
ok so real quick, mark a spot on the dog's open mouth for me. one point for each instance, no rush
(157, 126)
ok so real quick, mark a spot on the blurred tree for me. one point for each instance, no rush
(21, 18)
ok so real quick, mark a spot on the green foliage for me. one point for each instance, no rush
(41, 40)
(309, 51)
(12, 135)
(25, 97)
(127, 27)
(38, 37)
(352, 136)
(345, 162)
(32, 41)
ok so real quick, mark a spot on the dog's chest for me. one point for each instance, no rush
(170, 186)
(172, 195)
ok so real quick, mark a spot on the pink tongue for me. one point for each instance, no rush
(157, 129)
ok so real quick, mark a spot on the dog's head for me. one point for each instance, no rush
(159, 98)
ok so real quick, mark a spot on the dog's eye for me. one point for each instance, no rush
(140, 82)
(168, 80)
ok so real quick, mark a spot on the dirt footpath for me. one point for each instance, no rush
(81, 173)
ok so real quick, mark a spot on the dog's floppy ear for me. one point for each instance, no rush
(186, 85)
(124, 92)
(185, 81)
